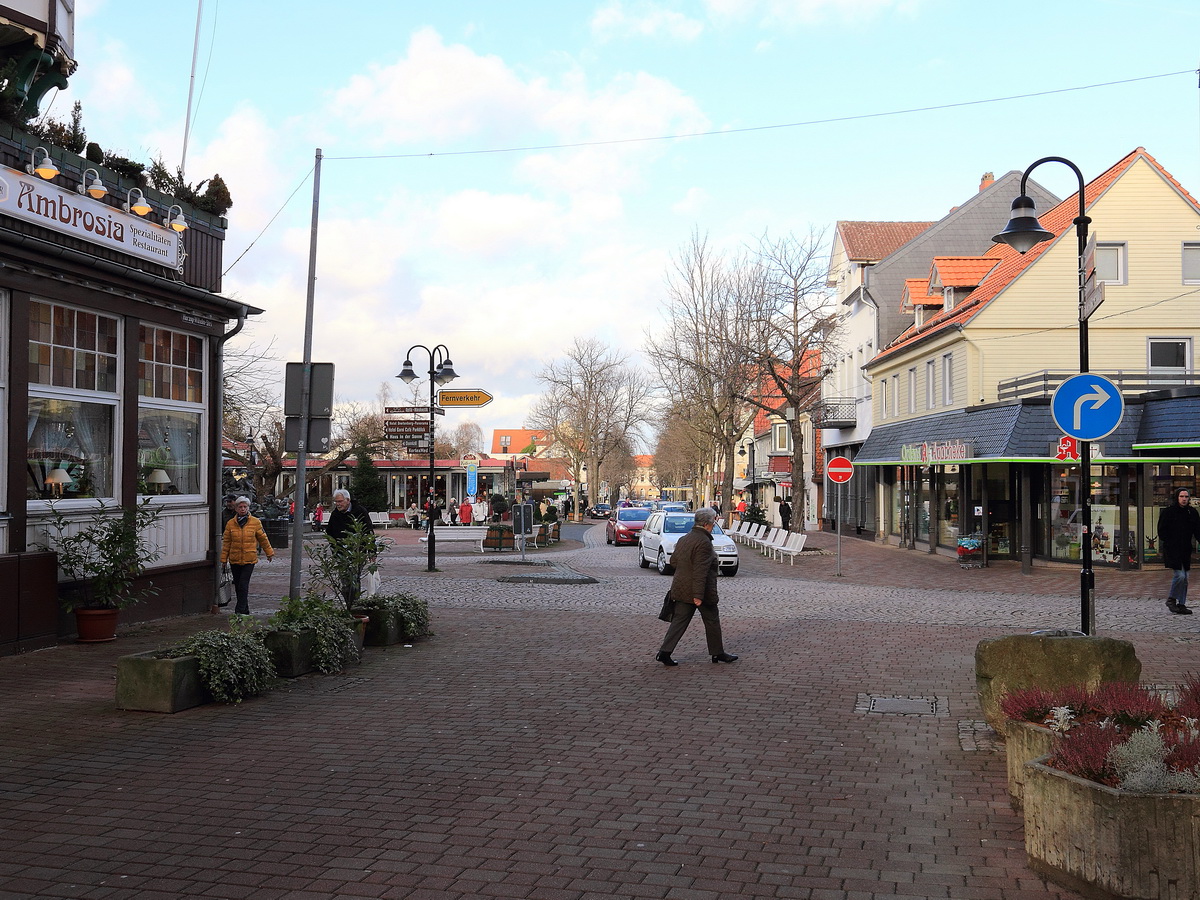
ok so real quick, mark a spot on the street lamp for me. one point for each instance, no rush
(750, 470)
(1022, 233)
(441, 371)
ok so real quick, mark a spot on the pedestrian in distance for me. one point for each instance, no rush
(694, 587)
(785, 512)
(452, 511)
(1178, 530)
(349, 518)
(229, 511)
(466, 511)
(243, 537)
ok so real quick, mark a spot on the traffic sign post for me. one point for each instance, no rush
(840, 470)
(471, 397)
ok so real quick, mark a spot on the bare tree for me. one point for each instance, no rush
(681, 452)
(464, 438)
(595, 403)
(702, 354)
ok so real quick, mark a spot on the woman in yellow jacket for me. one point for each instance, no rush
(244, 534)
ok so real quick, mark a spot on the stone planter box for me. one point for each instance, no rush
(383, 628)
(291, 652)
(1102, 842)
(148, 683)
(1023, 742)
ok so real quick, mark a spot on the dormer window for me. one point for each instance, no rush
(948, 297)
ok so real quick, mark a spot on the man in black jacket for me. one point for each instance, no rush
(695, 587)
(1178, 528)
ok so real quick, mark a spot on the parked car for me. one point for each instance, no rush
(600, 511)
(625, 524)
(657, 539)
(670, 506)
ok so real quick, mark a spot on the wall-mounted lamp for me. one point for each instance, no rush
(94, 188)
(175, 223)
(141, 206)
(46, 168)
(58, 478)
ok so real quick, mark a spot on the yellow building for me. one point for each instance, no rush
(961, 400)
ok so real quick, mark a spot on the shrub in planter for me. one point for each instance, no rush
(234, 664)
(331, 629)
(338, 566)
(400, 617)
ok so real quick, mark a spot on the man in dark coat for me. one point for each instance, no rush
(1178, 528)
(693, 587)
(341, 525)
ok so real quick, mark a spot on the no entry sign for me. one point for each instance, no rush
(840, 470)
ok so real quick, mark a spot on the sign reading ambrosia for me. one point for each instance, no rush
(936, 451)
(34, 200)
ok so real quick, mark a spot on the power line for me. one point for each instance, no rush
(754, 128)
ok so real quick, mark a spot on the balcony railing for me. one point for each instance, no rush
(835, 412)
(1129, 383)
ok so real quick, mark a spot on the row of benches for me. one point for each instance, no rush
(774, 542)
(471, 533)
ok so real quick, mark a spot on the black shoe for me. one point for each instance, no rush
(724, 657)
(1173, 605)
(665, 659)
(1183, 610)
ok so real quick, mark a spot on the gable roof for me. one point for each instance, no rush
(1009, 264)
(872, 241)
(520, 439)
(916, 293)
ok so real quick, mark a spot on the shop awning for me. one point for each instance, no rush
(1170, 423)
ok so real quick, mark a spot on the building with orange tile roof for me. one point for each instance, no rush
(962, 424)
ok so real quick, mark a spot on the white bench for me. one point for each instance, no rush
(457, 534)
(793, 548)
(380, 519)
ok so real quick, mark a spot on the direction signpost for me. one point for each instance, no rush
(840, 470)
(466, 397)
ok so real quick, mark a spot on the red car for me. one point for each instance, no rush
(624, 524)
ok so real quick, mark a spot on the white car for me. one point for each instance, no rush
(662, 530)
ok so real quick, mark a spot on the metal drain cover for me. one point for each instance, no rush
(902, 706)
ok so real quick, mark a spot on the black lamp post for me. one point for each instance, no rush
(749, 471)
(441, 371)
(1022, 233)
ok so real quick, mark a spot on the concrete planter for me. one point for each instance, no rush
(291, 652)
(1102, 842)
(1023, 742)
(146, 682)
(382, 628)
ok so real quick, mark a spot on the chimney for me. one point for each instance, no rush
(986, 181)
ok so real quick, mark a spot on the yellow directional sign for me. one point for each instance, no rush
(472, 397)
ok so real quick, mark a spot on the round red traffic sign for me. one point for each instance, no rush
(840, 469)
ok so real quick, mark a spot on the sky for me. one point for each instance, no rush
(501, 178)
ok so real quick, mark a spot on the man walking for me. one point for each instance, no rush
(695, 587)
(1178, 528)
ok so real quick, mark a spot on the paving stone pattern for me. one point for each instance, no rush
(533, 749)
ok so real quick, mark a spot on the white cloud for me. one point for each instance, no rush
(794, 12)
(643, 20)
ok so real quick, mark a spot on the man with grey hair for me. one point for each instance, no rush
(693, 587)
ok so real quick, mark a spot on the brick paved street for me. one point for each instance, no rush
(533, 749)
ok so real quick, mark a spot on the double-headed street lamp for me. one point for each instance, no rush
(441, 371)
(1022, 233)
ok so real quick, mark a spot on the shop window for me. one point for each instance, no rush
(170, 365)
(73, 393)
(168, 455)
(170, 451)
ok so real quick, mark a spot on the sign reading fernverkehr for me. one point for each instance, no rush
(31, 199)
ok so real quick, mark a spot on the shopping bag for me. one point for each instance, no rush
(225, 591)
(668, 608)
(371, 584)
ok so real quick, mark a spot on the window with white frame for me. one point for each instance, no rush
(1110, 262)
(73, 395)
(1191, 262)
(1168, 354)
(170, 411)
(780, 437)
(883, 398)
(896, 394)
(930, 384)
(948, 379)
(912, 390)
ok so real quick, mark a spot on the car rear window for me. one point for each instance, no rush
(632, 514)
(678, 525)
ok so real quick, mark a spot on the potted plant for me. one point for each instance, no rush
(394, 618)
(1105, 808)
(105, 559)
(339, 566)
(309, 633)
(226, 666)
(499, 537)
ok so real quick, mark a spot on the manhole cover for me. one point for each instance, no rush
(901, 706)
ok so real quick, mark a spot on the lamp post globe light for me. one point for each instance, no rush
(750, 471)
(441, 371)
(1023, 232)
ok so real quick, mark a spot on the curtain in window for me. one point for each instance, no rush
(169, 440)
(71, 435)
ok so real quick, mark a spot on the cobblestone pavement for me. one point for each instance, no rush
(532, 748)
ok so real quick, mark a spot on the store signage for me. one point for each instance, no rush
(936, 451)
(33, 200)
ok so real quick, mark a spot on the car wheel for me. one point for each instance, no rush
(729, 570)
(642, 561)
(664, 568)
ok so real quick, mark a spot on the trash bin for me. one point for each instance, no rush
(277, 532)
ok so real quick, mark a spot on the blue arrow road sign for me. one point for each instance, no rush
(1087, 407)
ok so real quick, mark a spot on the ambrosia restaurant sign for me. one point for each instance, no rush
(37, 201)
(936, 451)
